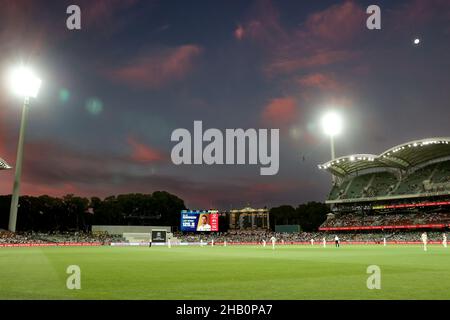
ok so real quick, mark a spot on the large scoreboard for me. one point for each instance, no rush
(199, 220)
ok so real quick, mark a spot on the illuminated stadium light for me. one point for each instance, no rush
(331, 124)
(24, 82)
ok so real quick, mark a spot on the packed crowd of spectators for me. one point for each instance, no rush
(259, 236)
(7, 237)
(349, 220)
(12, 238)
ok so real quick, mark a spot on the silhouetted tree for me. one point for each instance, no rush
(309, 215)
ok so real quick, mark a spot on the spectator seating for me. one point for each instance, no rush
(432, 178)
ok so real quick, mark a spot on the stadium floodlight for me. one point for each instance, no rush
(26, 84)
(332, 126)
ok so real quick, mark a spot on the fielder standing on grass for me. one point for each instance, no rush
(324, 241)
(273, 239)
(336, 241)
(444, 240)
(424, 240)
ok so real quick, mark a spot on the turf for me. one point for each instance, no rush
(244, 272)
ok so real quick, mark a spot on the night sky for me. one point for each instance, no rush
(114, 91)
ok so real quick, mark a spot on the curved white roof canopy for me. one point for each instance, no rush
(403, 156)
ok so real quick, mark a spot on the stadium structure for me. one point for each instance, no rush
(404, 188)
(4, 165)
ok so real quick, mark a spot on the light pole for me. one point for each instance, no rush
(333, 154)
(332, 126)
(25, 84)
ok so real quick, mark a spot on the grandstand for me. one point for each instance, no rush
(4, 165)
(405, 187)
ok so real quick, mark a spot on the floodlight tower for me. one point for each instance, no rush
(26, 84)
(332, 126)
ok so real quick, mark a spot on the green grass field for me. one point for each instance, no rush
(290, 272)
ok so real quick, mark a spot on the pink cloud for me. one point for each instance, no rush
(239, 32)
(65, 170)
(290, 63)
(320, 41)
(103, 13)
(3, 137)
(157, 69)
(319, 81)
(142, 153)
(56, 191)
(49, 174)
(19, 33)
(336, 24)
(280, 111)
(263, 25)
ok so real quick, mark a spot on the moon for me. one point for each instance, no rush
(416, 41)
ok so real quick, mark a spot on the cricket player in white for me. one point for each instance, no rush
(212, 243)
(273, 239)
(324, 241)
(424, 240)
(264, 243)
(225, 243)
(168, 243)
(312, 242)
(444, 240)
(336, 241)
(384, 242)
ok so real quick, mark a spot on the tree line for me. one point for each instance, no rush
(73, 213)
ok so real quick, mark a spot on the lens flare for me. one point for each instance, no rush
(94, 106)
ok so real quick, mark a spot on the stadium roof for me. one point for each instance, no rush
(403, 156)
(4, 164)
